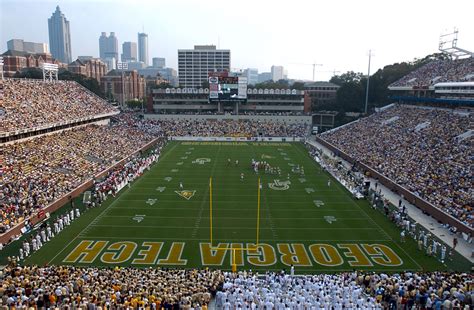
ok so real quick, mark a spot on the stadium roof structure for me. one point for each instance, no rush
(320, 84)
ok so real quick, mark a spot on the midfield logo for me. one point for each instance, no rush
(278, 185)
(186, 194)
(201, 161)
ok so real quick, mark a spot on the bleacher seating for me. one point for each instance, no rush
(28, 104)
(428, 161)
(438, 71)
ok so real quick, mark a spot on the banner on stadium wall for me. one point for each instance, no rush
(234, 139)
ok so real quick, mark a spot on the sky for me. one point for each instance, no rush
(260, 33)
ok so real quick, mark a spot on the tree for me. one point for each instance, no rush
(297, 85)
(29, 73)
(348, 77)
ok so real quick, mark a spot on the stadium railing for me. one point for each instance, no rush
(419, 202)
(40, 215)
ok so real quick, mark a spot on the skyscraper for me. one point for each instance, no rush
(108, 46)
(60, 37)
(143, 48)
(129, 51)
(194, 65)
(278, 73)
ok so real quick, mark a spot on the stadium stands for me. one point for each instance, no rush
(90, 288)
(152, 288)
(346, 291)
(38, 171)
(213, 128)
(438, 71)
(417, 148)
(27, 104)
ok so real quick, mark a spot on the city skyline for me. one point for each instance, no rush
(337, 35)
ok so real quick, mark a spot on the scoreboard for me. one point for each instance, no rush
(227, 89)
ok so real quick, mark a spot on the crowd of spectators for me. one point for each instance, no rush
(27, 104)
(347, 291)
(39, 171)
(421, 150)
(93, 288)
(217, 128)
(156, 288)
(438, 71)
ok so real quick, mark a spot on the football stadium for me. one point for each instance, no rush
(231, 196)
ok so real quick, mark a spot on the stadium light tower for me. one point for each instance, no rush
(122, 66)
(1, 66)
(367, 89)
(50, 72)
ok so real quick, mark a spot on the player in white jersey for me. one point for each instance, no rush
(425, 240)
(56, 227)
(21, 254)
(43, 235)
(34, 246)
(71, 215)
(78, 213)
(60, 223)
(443, 253)
(49, 232)
(38, 241)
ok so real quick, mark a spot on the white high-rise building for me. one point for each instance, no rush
(195, 64)
(252, 76)
(129, 51)
(278, 73)
(143, 48)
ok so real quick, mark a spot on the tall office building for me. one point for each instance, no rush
(158, 62)
(194, 65)
(108, 46)
(252, 76)
(60, 37)
(143, 48)
(28, 47)
(129, 51)
(278, 73)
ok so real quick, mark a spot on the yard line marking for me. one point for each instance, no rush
(246, 228)
(241, 218)
(240, 240)
(203, 202)
(376, 224)
(241, 209)
(105, 209)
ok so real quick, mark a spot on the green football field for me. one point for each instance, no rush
(303, 220)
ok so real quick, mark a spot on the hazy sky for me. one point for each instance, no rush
(335, 33)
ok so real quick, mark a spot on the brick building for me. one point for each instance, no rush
(93, 68)
(321, 92)
(15, 61)
(131, 87)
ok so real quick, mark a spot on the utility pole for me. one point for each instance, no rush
(367, 89)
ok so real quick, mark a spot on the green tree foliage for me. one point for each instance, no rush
(351, 94)
(29, 73)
